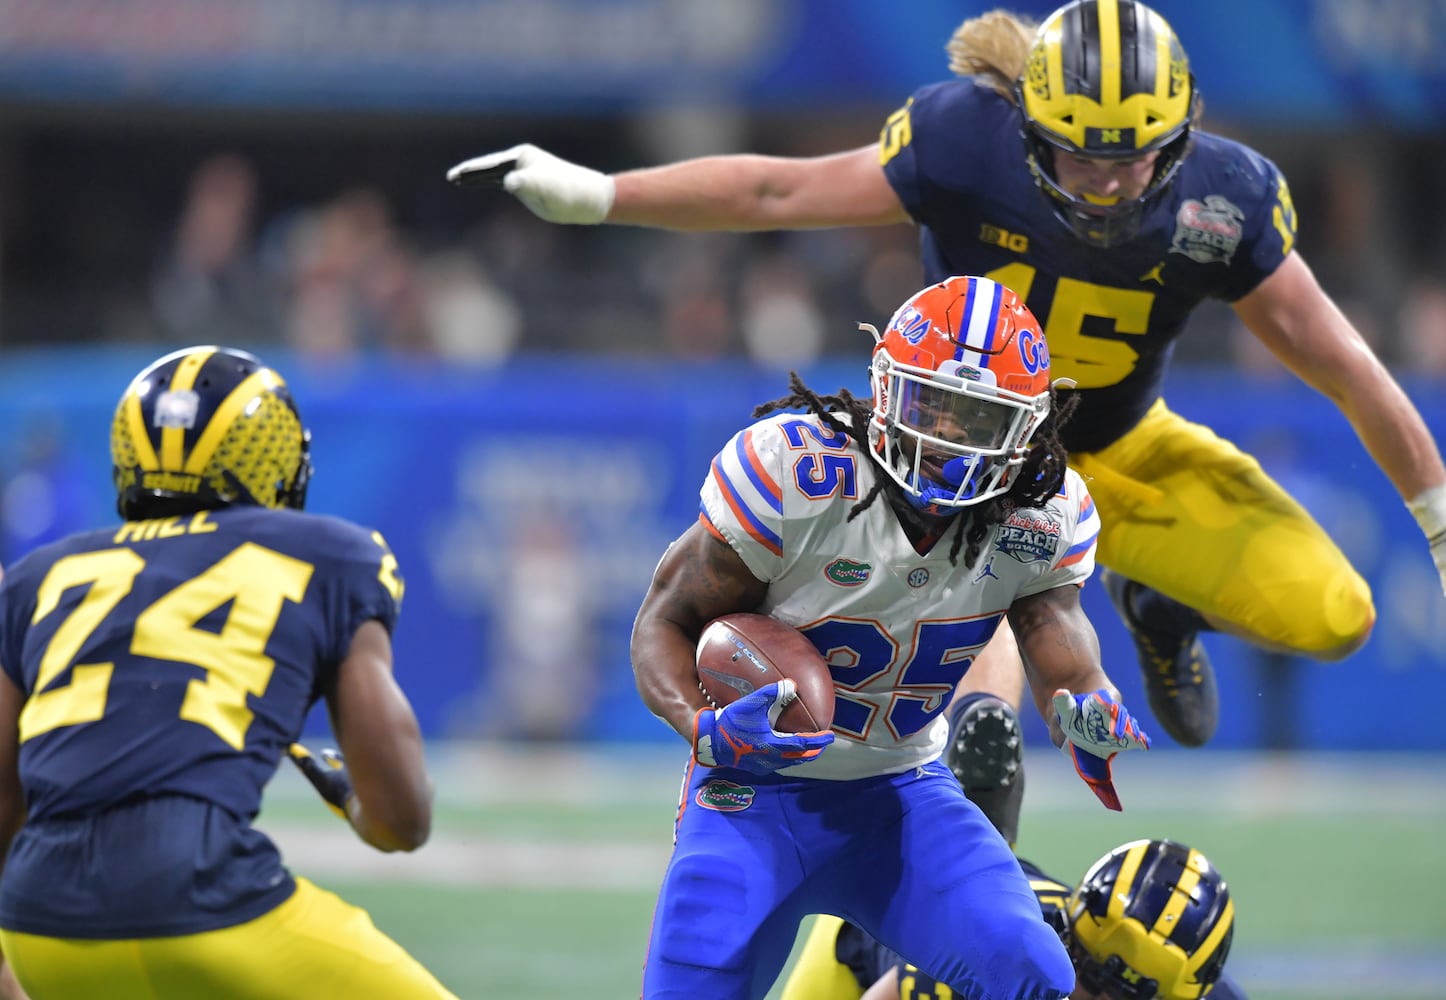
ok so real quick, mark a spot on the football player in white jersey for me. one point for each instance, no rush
(897, 536)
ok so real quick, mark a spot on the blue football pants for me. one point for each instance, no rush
(906, 857)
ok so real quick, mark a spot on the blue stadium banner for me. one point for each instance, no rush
(1296, 62)
(528, 505)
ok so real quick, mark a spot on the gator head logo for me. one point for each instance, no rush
(847, 573)
(725, 796)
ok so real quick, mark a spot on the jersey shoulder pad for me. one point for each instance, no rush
(1232, 208)
(942, 137)
(769, 476)
(356, 560)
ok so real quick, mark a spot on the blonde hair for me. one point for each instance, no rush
(994, 45)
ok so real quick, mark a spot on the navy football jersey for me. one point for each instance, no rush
(867, 959)
(955, 158)
(167, 665)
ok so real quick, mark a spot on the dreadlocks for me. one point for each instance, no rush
(1039, 478)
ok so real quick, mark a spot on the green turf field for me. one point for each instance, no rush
(538, 883)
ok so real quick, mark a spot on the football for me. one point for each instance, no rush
(740, 653)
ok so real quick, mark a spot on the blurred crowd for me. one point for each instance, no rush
(362, 262)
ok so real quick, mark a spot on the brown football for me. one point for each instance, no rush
(740, 653)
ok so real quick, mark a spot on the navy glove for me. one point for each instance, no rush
(328, 776)
(1096, 727)
(741, 734)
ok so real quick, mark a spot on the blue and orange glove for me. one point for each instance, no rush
(741, 734)
(1096, 727)
(328, 776)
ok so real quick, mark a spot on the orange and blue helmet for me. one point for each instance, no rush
(1151, 920)
(205, 427)
(960, 380)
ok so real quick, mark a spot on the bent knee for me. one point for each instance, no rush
(1326, 624)
(1035, 967)
(1343, 626)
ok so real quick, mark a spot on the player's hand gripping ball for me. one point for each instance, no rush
(772, 691)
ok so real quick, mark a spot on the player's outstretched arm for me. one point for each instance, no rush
(1294, 317)
(1061, 656)
(739, 192)
(698, 579)
(391, 807)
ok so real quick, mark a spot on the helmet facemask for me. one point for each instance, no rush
(950, 436)
(960, 380)
(1099, 225)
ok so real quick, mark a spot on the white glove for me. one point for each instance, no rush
(551, 187)
(1429, 510)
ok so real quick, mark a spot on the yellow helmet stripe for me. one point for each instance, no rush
(1109, 14)
(136, 425)
(1129, 868)
(252, 386)
(173, 439)
(1211, 945)
(1179, 898)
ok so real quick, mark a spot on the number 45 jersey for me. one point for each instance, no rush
(166, 665)
(899, 629)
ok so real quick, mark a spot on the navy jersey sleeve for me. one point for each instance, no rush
(361, 583)
(930, 145)
(1249, 200)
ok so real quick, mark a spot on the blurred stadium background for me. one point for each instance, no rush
(526, 410)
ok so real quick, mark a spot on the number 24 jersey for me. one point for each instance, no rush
(173, 661)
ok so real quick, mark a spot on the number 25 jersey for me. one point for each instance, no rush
(167, 664)
(898, 628)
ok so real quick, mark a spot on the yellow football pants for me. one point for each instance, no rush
(818, 974)
(313, 945)
(1189, 514)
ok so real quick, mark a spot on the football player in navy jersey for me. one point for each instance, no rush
(1151, 920)
(1067, 164)
(155, 673)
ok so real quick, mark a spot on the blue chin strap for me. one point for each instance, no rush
(939, 499)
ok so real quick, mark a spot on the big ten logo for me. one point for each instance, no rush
(993, 235)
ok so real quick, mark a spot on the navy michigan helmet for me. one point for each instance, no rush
(1151, 919)
(1106, 79)
(205, 427)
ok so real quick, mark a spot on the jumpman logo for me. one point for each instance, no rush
(1153, 274)
(988, 570)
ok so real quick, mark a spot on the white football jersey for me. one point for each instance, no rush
(898, 629)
